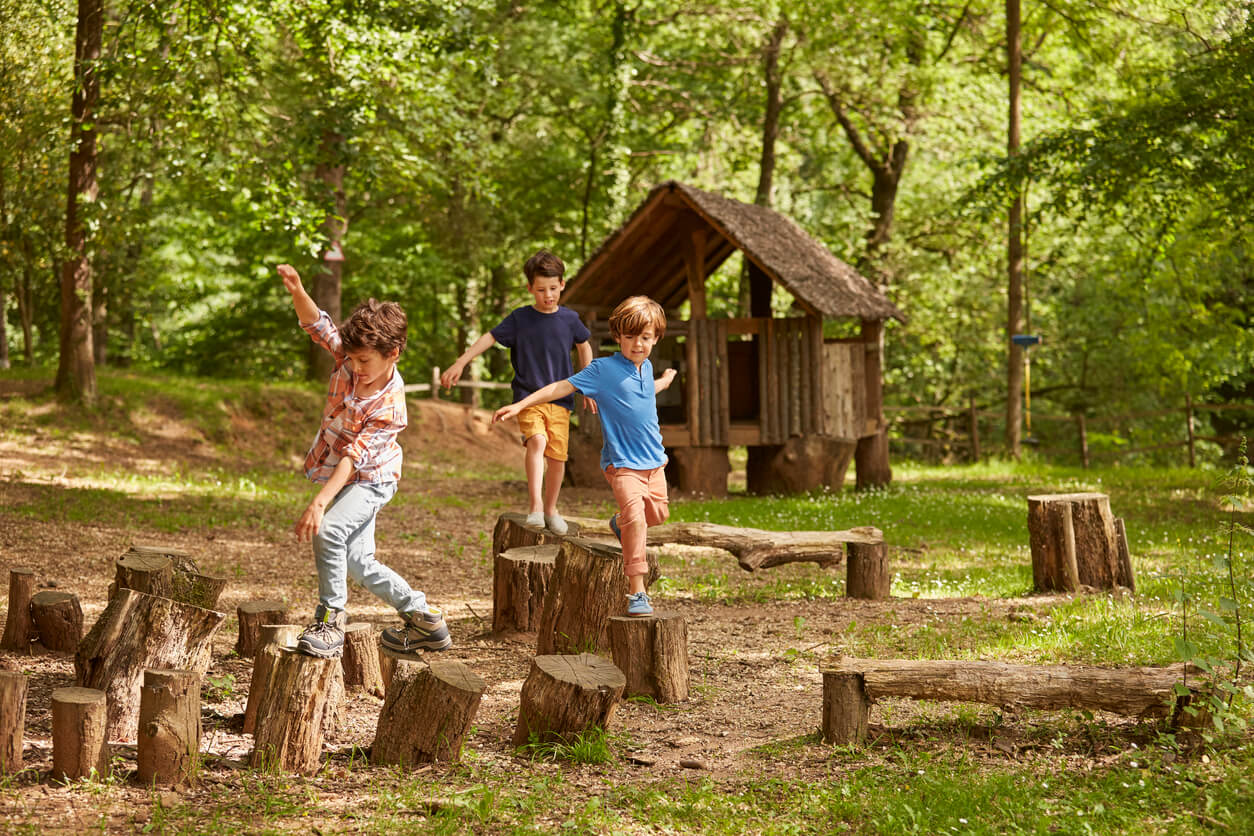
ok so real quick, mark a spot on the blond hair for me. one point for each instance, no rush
(636, 313)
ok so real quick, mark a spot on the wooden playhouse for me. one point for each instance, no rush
(802, 403)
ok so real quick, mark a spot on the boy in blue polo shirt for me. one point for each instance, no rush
(539, 337)
(632, 457)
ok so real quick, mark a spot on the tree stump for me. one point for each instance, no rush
(18, 630)
(145, 572)
(58, 619)
(12, 720)
(169, 728)
(511, 531)
(867, 574)
(289, 729)
(800, 465)
(699, 470)
(251, 616)
(587, 587)
(1075, 543)
(427, 714)
(197, 589)
(167, 572)
(270, 639)
(845, 707)
(80, 733)
(566, 695)
(387, 667)
(136, 632)
(520, 580)
(361, 660)
(652, 653)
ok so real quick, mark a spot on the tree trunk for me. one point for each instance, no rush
(867, 575)
(13, 686)
(652, 653)
(329, 279)
(289, 730)
(169, 728)
(588, 586)
(1075, 543)
(845, 707)
(427, 714)
(80, 733)
(799, 465)
(871, 453)
(58, 619)
(76, 374)
(1014, 238)
(565, 695)
(520, 582)
(136, 632)
(252, 616)
(270, 639)
(361, 660)
(18, 630)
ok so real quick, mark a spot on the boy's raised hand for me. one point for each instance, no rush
(291, 279)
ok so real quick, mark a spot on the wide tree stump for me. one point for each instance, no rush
(360, 661)
(19, 632)
(80, 733)
(58, 620)
(652, 653)
(511, 531)
(169, 728)
(565, 695)
(270, 639)
(699, 470)
(427, 714)
(800, 465)
(252, 615)
(12, 720)
(167, 572)
(845, 707)
(520, 581)
(136, 632)
(1075, 543)
(289, 730)
(867, 574)
(757, 549)
(587, 587)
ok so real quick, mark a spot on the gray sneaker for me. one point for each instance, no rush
(324, 638)
(417, 631)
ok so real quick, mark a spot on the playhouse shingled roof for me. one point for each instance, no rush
(646, 256)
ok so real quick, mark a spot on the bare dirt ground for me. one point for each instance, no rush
(757, 690)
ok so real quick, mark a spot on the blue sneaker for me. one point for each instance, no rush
(638, 604)
(614, 528)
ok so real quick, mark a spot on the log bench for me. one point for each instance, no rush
(850, 686)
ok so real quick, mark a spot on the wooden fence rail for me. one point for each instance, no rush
(475, 386)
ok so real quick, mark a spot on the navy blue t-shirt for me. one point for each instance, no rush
(539, 348)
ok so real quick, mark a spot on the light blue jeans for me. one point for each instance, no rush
(344, 545)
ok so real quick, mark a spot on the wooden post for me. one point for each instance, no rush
(427, 714)
(1082, 432)
(871, 455)
(520, 581)
(1188, 412)
(58, 619)
(435, 383)
(652, 653)
(361, 660)
(867, 574)
(12, 720)
(18, 630)
(565, 695)
(845, 707)
(80, 736)
(252, 615)
(289, 729)
(270, 638)
(169, 728)
(973, 422)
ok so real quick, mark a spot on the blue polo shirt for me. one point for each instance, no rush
(628, 410)
(539, 348)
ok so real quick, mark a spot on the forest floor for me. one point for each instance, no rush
(74, 497)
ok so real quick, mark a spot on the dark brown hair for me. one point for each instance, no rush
(382, 326)
(543, 263)
(636, 313)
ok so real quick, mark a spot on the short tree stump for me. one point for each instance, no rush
(565, 695)
(652, 653)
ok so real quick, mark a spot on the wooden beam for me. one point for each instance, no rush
(696, 272)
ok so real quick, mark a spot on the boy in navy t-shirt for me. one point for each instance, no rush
(632, 457)
(539, 337)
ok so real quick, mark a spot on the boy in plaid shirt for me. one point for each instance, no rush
(357, 459)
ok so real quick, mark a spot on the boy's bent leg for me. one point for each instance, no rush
(353, 508)
(630, 487)
(657, 506)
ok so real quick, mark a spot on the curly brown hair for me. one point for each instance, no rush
(382, 326)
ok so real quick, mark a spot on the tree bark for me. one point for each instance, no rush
(76, 373)
(652, 653)
(361, 660)
(168, 749)
(18, 630)
(520, 582)
(588, 586)
(427, 714)
(290, 720)
(13, 687)
(270, 639)
(329, 279)
(80, 733)
(58, 620)
(252, 616)
(565, 695)
(1075, 543)
(757, 549)
(1014, 237)
(867, 574)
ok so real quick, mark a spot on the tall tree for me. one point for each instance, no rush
(1014, 236)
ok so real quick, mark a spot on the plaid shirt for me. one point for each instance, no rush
(363, 429)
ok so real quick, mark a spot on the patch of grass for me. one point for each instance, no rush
(594, 745)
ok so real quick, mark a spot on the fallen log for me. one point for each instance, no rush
(757, 549)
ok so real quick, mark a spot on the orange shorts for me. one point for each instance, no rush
(552, 422)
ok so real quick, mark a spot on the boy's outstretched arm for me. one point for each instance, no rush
(454, 372)
(584, 350)
(665, 380)
(306, 309)
(310, 521)
(552, 392)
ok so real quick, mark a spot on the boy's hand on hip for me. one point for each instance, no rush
(309, 523)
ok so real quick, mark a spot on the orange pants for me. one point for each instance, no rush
(642, 502)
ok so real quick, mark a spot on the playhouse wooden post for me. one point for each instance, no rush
(871, 455)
